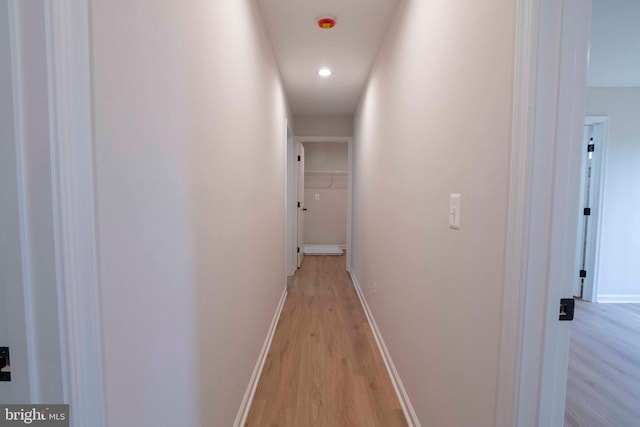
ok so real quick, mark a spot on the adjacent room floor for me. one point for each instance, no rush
(603, 387)
(323, 367)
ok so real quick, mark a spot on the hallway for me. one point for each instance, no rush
(323, 367)
(151, 210)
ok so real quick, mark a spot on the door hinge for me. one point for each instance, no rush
(587, 211)
(591, 148)
(298, 158)
(5, 364)
(567, 307)
(298, 204)
(583, 273)
(298, 250)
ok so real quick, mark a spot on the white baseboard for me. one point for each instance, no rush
(403, 397)
(245, 406)
(618, 298)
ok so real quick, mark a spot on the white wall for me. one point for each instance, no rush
(434, 120)
(615, 42)
(325, 222)
(338, 125)
(326, 156)
(620, 244)
(189, 124)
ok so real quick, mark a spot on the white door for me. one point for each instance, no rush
(583, 224)
(583, 283)
(301, 208)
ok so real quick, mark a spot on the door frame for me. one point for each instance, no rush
(290, 213)
(551, 54)
(73, 180)
(66, 26)
(300, 209)
(291, 195)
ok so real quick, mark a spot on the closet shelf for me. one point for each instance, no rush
(323, 172)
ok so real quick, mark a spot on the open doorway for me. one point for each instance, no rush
(325, 198)
(320, 197)
(603, 384)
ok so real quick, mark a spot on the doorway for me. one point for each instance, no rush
(603, 375)
(318, 210)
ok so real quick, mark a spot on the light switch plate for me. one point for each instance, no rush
(317, 196)
(454, 211)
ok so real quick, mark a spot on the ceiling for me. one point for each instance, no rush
(349, 49)
(615, 44)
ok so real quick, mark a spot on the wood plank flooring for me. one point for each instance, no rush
(323, 367)
(603, 387)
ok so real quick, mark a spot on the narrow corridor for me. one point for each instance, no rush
(323, 367)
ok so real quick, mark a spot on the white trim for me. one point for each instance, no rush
(580, 285)
(245, 406)
(300, 187)
(68, 54)
(349, 201)
(288, 186)
(621, 299)
(349, 141)
(290, 205)
(569, 99)
(25, 250)
(601, 126)
(552, 43)
(594, 120)
(401, 392)
(60, 280)
(511, 343)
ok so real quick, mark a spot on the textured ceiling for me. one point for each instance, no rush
(349, 49)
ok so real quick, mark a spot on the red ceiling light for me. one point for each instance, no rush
(326, 23)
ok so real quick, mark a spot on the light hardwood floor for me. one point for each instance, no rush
(323, 367)
(603, 387)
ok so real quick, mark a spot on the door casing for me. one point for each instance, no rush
(551, 53)
(300, 203)
(65, 27)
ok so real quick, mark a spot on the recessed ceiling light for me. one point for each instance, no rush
(324, 72)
